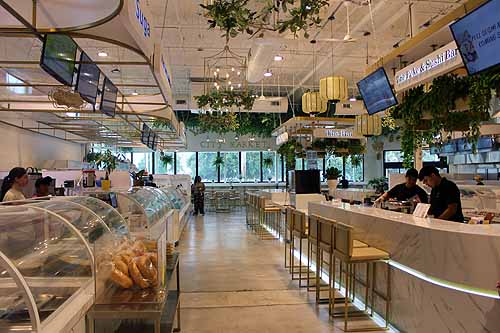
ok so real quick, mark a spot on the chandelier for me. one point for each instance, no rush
(225, 71)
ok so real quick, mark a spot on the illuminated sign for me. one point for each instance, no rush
(143, 21)
(435, 64)
(347, 133)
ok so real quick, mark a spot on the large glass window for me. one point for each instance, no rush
(250, 166)
(206, 168)
(354, 168)
(160, 167)
(269, 166)
(393, 161)
(299, 165)
(186, 163)
(144, 161)
(230, 171)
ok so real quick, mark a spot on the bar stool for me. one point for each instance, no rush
(344, 250)
(287, 236)
(313, 248)
(269, 215)
(299, 232)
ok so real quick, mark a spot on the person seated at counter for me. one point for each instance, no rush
(445, 195)
(407, 190)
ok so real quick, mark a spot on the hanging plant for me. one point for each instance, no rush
(234, 17)
(216, 122)
(163, 124)
(425, 116)
(218, 162)
(267, 162)
(166, 159)
(219, 100)
(289, 150)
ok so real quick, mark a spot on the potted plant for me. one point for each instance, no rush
(332, 174)
(380, 185)
(166, 160)
(108, 162)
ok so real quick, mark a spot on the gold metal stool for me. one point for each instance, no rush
(299, 232)
(268, 214)
(345, 251)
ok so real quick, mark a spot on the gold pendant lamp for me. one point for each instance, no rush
(367, 125)
(312, 103)
(334, 88)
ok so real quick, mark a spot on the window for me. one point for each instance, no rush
(354, 171)
(186, 164)
(250, 166)
(160, 167)
(393, 161)
(206, 168)
(17, 90)
(298, 164)
(269, 171)
(230, 171)
(144, 161)
(281, 168)
(393, 156)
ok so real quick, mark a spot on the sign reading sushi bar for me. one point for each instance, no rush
(437, 63)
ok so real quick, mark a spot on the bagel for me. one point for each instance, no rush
(121, 279)
(120, 265)
(136, 275)
(147, 270)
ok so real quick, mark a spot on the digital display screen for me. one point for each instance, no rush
(108, 99)
(58, 57)
(88, 79)
(377, 92)
(478, 37)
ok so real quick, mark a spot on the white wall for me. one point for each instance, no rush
(375, 168)
(24, 148)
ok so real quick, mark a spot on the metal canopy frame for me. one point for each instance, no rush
(86, 125)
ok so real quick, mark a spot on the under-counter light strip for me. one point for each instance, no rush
(444, 283)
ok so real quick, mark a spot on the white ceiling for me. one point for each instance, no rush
(187, 40)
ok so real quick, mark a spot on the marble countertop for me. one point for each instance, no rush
(456, 252)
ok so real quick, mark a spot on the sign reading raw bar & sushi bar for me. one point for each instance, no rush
(437, 63)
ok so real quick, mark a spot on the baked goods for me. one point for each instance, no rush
(136, 275)
(132, 266)
(121, 279)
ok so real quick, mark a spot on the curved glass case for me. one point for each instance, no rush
(107, 213)
(45, 262)
(177, 199)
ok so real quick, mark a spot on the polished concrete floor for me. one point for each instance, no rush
(232, 281)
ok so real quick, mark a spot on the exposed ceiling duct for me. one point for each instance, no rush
(261, 56)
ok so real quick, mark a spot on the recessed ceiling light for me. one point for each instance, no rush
(352, 99)
(135, 93)
(115, 70)
(102, 54)
(268, 73)
(278, 58)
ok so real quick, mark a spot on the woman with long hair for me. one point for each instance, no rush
(198, 192)
(12, 185)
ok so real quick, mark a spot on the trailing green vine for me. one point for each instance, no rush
(289, 150)
(219, 100)
(235, 17)
(427, 116)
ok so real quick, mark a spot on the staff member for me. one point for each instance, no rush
(42, 187)
(445, 195)
(13, 184)
(406, 190)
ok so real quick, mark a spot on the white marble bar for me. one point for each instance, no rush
(357, 194)
(442, 256)
(456, 252)
(276, 195)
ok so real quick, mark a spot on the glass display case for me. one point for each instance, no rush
(142, 208)
(106, 212)
(177, 199)
(46, 265)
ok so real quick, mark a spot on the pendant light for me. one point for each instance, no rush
(367, 125)
(312, 103)
(334, 88)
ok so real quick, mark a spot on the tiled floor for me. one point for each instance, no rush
(234, 282)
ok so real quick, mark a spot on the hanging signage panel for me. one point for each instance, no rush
(163, 73)
(138, 21)
(327, 133)
(439, 62)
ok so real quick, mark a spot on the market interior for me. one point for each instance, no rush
(249, 166)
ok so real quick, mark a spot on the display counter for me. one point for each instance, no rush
(181, 212)
(445, 273)
(353, 194)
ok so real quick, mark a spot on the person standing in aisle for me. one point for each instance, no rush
(445, 195)
(198, 193)
(13, 184)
